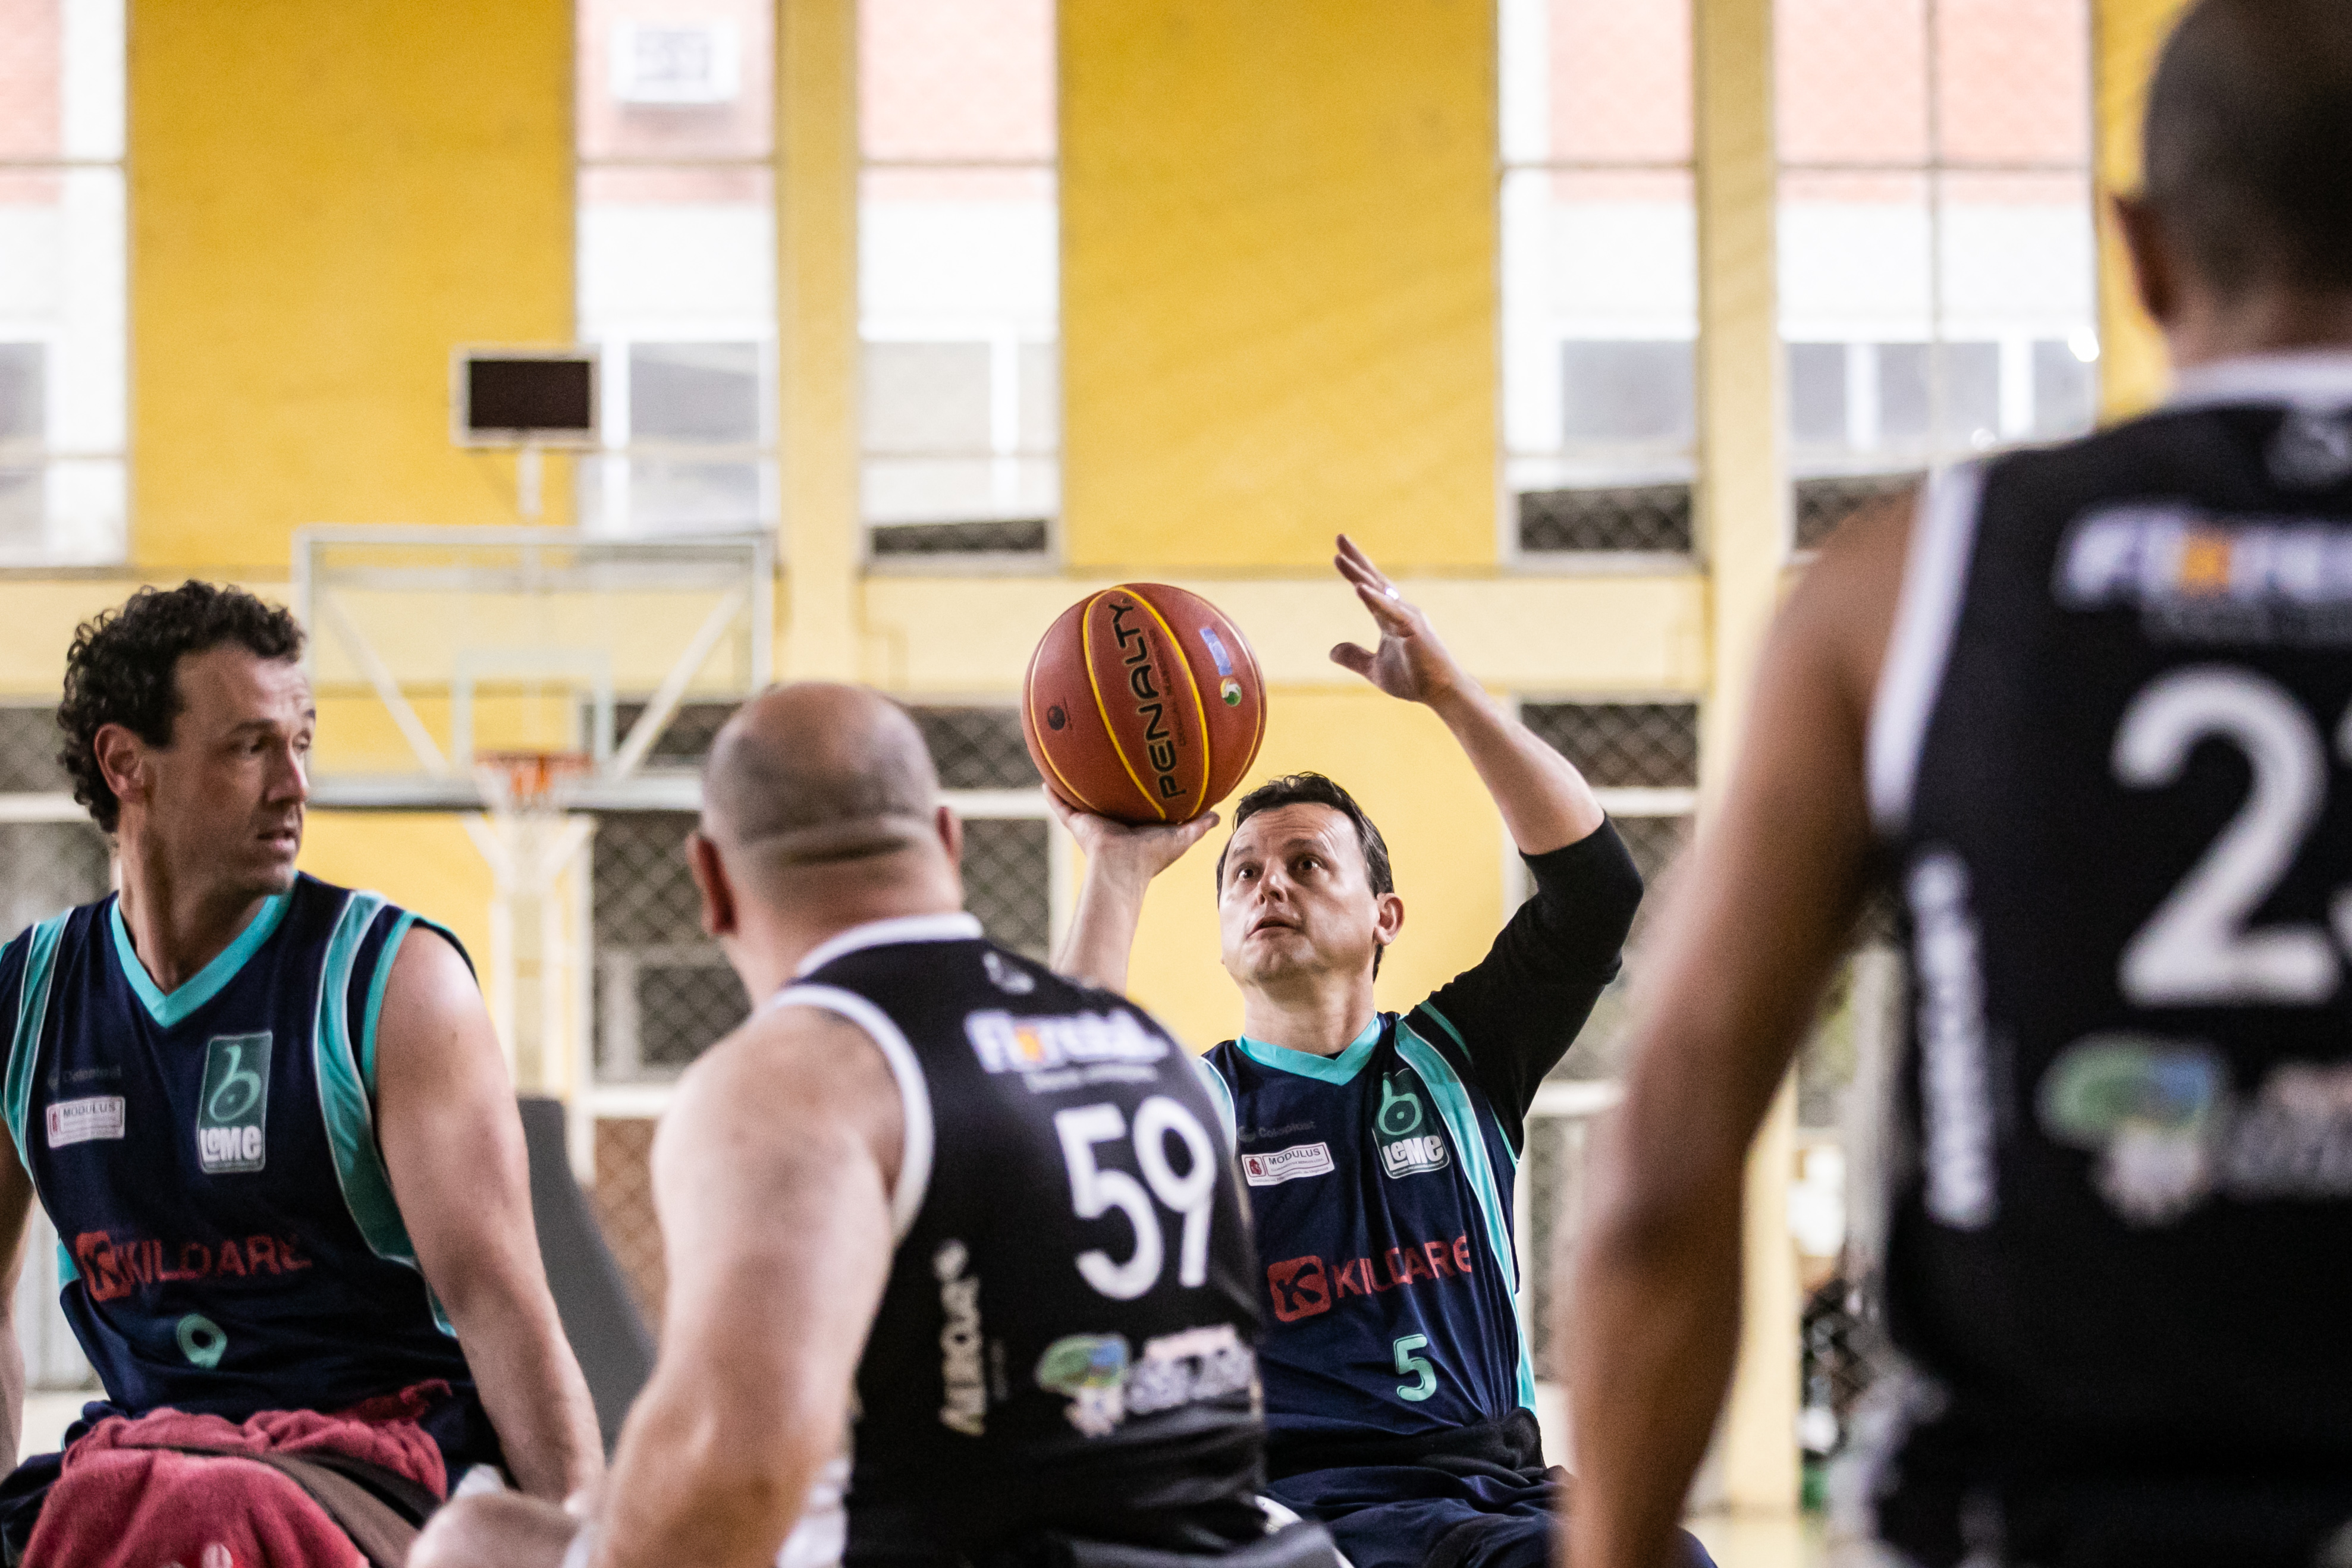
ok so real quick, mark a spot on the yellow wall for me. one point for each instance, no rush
(325, 196)
(1278, 281)
(422, 861)
(2125, 37)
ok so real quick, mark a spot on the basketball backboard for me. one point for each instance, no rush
(430, 646)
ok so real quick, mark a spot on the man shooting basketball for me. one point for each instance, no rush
(2082, 710)
(268, 1117)
(1378, 1147)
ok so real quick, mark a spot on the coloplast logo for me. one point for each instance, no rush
(232, 1112)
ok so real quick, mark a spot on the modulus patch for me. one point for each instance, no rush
(1278, 1165)
(84, 1121)
(232, 1113)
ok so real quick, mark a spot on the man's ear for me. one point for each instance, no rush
(950, 831)
(2156, 272)
(711, 882)
(1388, 917)
(122, 757)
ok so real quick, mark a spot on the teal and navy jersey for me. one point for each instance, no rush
(228, 1240)
(1380, 1179)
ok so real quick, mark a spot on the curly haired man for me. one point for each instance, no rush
(268, 1117)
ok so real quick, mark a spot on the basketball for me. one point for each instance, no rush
(1144, 703)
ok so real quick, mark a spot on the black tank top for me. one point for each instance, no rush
(1067, 1340)
(2111, 762)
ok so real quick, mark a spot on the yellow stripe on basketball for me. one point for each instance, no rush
(1193, 684)
(1070, 792)
(1087, 657)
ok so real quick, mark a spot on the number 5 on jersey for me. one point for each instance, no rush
(1095, 1192)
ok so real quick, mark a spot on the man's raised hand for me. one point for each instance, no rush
(1410, 662)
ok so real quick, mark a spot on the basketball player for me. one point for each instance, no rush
(2085, 711)
(1378, 1147)
(267, 1116)
(930, 1182)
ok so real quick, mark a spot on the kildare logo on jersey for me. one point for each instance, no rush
(233, 1110)
(1408, 1139)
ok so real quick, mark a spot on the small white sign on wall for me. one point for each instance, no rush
(675, 62)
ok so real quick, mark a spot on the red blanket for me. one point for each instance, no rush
(122, 1502)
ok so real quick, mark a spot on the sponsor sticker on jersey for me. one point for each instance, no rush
(1005, 1043)
(1408, 1136)
(85, 1121)
(233, 1110)
(1278, 1165)
(1106, 1382)
(964, 1408)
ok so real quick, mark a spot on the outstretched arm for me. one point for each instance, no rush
(453, 1145)
(1121, 861)
(772, 1175)
(1545, 802)
(1743, 957)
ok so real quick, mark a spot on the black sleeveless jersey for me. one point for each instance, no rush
(1067, 1340)
(2111, 763)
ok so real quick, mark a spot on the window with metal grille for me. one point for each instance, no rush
(1641, 760)
(663, 993)
(1825, 501)
(1618, 746)
(1938, 267)
(1625, 518)
(1599, 271)
(675, 130)
(958, 279)
(64, 365)
(977, 748)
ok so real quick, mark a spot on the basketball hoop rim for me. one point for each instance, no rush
(527, 780)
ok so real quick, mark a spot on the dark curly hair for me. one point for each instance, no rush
(124, 664)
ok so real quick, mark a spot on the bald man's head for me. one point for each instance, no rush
(815, 774)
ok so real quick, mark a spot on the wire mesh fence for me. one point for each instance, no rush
(977, 748)
(29, 743)
(624, 1201)
(1642, 518)
(1826, 501)
(1622, 745)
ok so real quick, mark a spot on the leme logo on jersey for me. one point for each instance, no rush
(1410, 1142)
(1278, 1165)
(85, 1121)
(1008, 1044)
(233, 1109)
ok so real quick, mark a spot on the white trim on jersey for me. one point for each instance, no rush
(914, 1091)
(2318, 378)
(885, 933)
(1934, 579)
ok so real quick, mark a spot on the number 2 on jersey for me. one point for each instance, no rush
(1095, 1192)
(2197, 947)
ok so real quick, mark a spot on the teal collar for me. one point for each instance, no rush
(205, 983)
(1338, 1069)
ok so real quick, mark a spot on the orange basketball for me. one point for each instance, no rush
(1143, 702)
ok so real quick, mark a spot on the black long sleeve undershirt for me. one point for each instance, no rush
(1518, 1010)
